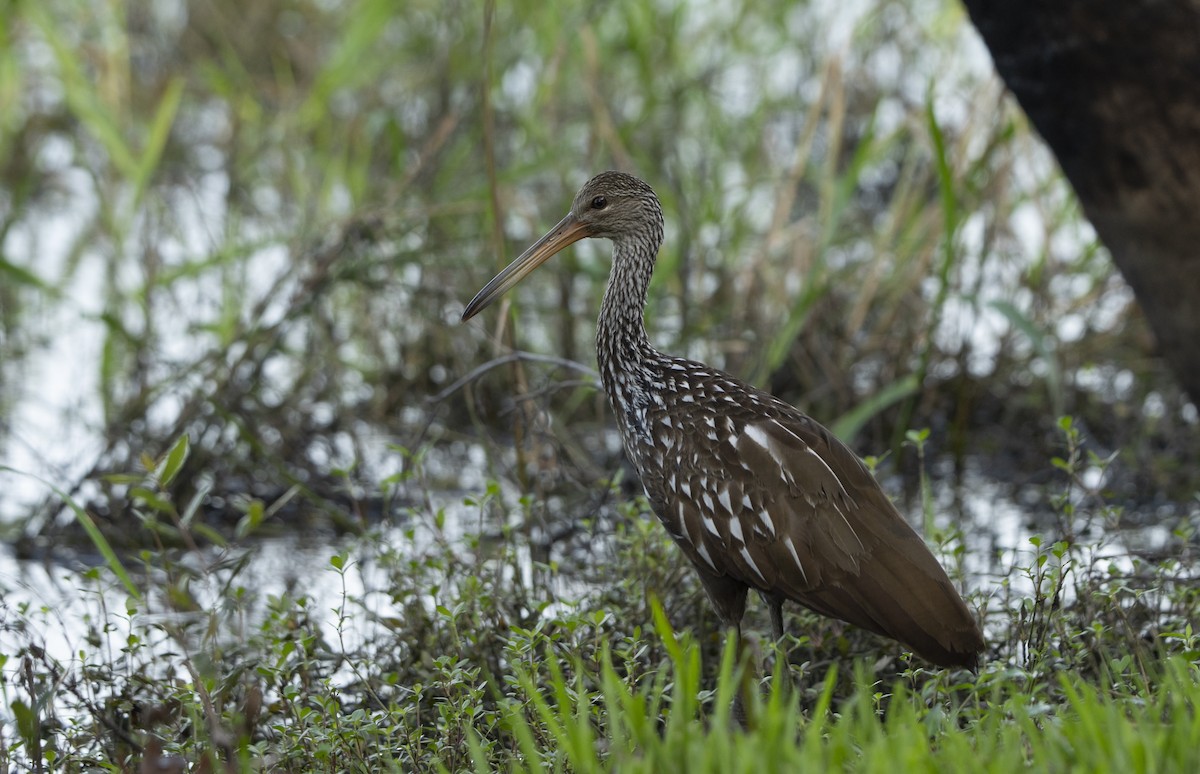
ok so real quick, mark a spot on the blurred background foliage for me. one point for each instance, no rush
(256, 225)
(244, 233)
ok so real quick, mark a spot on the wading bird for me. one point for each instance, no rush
(757, 494)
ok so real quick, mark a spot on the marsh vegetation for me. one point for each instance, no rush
(268, 507)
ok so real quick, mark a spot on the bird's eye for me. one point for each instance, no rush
(599, 203)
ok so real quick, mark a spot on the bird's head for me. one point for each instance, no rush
(612, 205)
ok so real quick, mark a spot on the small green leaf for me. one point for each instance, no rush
(255, 513)
(150, 499)
(27, 724)
(169, 467)
(917, 437)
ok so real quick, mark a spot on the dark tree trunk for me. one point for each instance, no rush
(1114, 88)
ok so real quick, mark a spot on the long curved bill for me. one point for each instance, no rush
(568, 231)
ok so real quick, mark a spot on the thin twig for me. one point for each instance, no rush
(566, 384)
(512, 357)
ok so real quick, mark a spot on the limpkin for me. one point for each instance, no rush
(757, 494)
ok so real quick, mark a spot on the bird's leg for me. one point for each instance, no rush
(729, 599)
(737, 710)
(775, 605)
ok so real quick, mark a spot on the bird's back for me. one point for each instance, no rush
(755, 491)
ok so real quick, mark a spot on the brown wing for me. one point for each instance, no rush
(778, 503)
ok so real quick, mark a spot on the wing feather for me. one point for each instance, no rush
(760, 494)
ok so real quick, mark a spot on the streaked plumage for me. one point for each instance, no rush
(758, 495)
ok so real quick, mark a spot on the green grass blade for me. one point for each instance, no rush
(1041, 342)
(89, 526)
(82, 97)
(848, 424)
(19, 275)
(156, 140)
(949, 195)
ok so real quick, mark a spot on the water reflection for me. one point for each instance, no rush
(73, 604)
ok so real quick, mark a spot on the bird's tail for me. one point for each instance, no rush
(903, 593)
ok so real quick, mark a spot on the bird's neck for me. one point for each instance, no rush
(621, 343)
